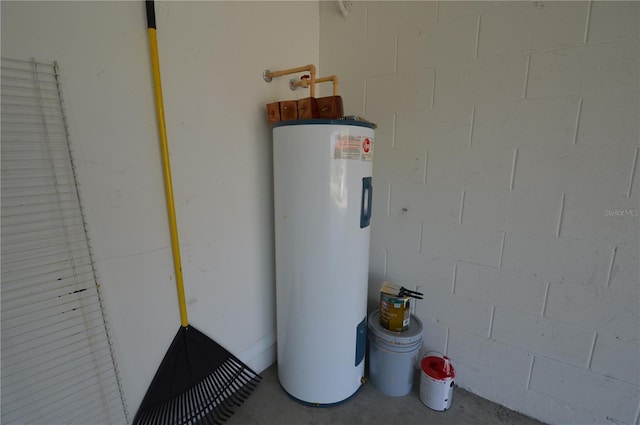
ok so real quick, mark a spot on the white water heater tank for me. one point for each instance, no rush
(322, 193)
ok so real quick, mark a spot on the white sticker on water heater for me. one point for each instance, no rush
(353, 147)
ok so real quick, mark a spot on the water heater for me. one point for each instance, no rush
(322, 193)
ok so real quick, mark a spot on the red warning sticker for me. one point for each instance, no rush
(353, 147)
(366, 145)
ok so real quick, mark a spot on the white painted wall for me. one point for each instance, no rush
(507, 131)
(212, 56)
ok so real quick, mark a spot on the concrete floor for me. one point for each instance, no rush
(269, 404)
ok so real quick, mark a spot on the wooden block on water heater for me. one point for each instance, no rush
(307, 108)
(273, 112)
(289, 110)
(330, 107)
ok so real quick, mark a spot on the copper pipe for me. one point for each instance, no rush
(304, 83)
(309, 68)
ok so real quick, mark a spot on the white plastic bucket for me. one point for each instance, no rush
(436, 382)
(393, 356)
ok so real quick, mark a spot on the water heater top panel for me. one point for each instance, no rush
(325, 122)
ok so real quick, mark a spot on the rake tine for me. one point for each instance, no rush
(198, 401)
(232, 396)
(226, 405)
(230, 400)
(221, 397)
(227, 369)
(193, 408)
(251, 385)
(145, 418)
(204, 415)
(213, 418)
(204, 420)
(245, 371)
(164, 414)
(179, 411)
(186, 409)
(224, 410)
(235, 386)
(256, 379)
(222, 386)
(208, 389)
(238, 394)
(244, 376)
(160, 413)
(221, 408)
(175, 406)
(248, 378)
(151, 415)
(194, 396)
(217, 417)
(208, 419)
(238, 399)
(242, 365)
(142, 419)
(222, 394)
(190, 412)
(180, 418)
(195, 412)
(233, 382)
(209, 395)
(230, 372)
(251, 382)
(245, 393)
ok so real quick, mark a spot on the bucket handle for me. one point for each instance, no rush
(447, 365)
(447, 362)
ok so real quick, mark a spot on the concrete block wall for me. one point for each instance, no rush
(506, 189)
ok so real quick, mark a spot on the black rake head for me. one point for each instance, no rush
(198, 382)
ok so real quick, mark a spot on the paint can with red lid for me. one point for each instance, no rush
(436, 382)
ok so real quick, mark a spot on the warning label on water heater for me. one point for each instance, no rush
(353, 147)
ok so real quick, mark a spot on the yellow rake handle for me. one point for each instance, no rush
(166, 166)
